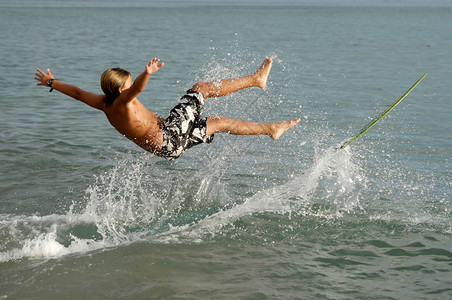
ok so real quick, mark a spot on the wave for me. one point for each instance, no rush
(124, 205)
(41, 237)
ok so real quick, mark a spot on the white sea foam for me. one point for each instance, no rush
(37, 237)
(121, 208)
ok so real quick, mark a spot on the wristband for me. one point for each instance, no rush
(49, 84)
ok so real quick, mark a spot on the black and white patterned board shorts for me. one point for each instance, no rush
(184, 128)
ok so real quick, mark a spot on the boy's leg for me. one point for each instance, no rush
(224, 87)
(222, 124)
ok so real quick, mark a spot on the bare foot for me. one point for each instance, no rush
(262, 74)
(280, 127)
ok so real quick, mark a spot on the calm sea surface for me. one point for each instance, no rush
(86, 214)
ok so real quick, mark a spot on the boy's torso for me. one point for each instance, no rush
(137, 123)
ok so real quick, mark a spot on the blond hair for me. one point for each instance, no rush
(110, 82)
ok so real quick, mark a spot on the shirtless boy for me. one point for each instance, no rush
(184, 128)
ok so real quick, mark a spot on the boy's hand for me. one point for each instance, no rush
(43, 77)
(153, 66)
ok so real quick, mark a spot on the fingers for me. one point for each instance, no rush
(159, 65)
(42, 73)
(154, 61)
(154, 65)
(42, 77)
(39, 76)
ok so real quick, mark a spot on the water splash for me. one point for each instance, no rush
(137, 198)
(124, 205)
(330, 187)
(120, 203)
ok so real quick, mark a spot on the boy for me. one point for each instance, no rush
(184, 128)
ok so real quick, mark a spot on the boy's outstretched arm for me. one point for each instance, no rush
(141, 81)
(93, 100)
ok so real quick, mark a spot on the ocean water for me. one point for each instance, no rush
(86, 214)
